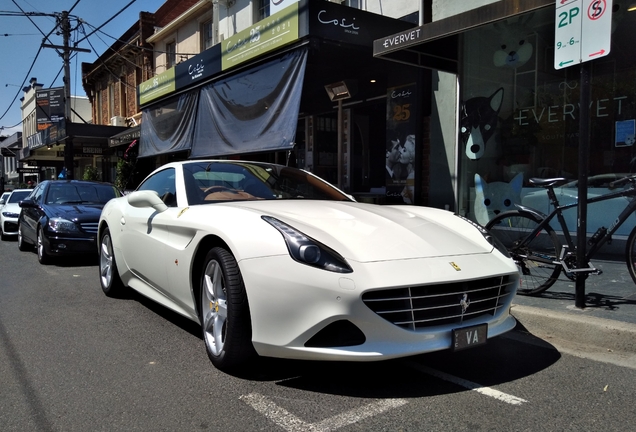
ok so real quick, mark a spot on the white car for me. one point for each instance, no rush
(10, 213)
(274, 261)
(3, 199)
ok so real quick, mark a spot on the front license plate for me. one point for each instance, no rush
(469, 337)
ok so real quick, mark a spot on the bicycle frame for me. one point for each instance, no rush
(558, 212)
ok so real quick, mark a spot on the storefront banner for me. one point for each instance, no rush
(47, 136)
(253, 111)
(168, 128)
(401, 125)
(346, 24)
(157, 86)
(267, 35)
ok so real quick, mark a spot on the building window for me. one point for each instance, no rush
(206, 35)
(111, 100)
(98, 108)
(263, 9)
(123, 92)
(171, 54)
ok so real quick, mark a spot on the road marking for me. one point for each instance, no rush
(486, 391)
(291, 423)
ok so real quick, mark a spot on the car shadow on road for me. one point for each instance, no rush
(510, 357)
(501, 360)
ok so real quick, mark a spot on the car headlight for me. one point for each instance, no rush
(494, 241)
(62, 225)
(308, 251)
(10, 215)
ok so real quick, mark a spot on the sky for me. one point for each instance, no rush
(21, 38)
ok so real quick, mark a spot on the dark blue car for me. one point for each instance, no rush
(60, 217)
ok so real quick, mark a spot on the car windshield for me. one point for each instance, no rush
(219, 181)
(18, 196)
(77, 193)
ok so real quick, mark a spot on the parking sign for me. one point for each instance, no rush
(582, 31)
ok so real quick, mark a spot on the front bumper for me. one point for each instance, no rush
(61, 245)
(292, 305)
(10, 227)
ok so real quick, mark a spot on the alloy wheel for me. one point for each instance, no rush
(214, 307)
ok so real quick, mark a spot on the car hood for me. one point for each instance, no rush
(367, 232)
(78, 212)
(11, 208)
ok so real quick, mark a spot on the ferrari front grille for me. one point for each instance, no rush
(425, 306)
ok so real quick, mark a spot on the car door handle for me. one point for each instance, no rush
(122, 221)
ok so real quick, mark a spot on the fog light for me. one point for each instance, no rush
(62, 246)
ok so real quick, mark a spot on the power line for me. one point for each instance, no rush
(108, 69)
(136, 46)
(23, 82)
(28, 15)
(107, 21)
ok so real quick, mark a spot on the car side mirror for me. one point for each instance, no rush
(27, 203)
(146, 198)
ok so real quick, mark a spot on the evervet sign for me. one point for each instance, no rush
(397, 41)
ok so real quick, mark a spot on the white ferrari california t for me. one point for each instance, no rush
(273, 261)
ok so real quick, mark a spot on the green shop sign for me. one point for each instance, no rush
(157, 86)
(269, 34)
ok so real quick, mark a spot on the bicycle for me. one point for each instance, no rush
(535, 246)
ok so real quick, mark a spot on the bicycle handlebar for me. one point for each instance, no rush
(621, 181)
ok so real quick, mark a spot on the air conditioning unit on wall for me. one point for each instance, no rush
(118, 121)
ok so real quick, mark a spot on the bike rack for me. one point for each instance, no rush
(589, 269)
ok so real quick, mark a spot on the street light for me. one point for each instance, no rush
(339, 91)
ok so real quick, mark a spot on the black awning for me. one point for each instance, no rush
(430, 45)
(125, 137)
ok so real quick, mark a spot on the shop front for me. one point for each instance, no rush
(518, 115)
(69, 150)
(300, 88)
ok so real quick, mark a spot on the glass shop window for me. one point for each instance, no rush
(519, 116)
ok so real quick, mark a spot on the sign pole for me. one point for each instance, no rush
(582, 32)
(584, 161)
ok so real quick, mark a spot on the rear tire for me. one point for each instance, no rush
(225, 315)
(109, 278)
(511, 228)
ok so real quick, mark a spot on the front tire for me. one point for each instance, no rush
(43, 256)
(225, 314)
(630, 254)
(109, 278)
(22, 245)
(513, 227)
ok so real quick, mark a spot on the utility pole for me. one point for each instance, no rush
(65, 28)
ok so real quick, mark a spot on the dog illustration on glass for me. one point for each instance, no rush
(479, 117)
(495, 197)
(514, 47)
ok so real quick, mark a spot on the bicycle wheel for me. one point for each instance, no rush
(630, 254)
(535, 257)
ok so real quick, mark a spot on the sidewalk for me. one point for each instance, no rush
(607, 321)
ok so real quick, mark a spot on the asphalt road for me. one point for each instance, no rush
(72, 359)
